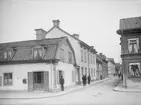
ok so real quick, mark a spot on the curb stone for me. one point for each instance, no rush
(64, 93)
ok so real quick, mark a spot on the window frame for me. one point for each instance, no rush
(8, 79)
(70, 57)
(38, 49)
(129, 42)
(8, 57)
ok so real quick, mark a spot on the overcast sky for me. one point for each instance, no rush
(96, 21)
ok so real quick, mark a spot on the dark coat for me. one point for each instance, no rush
(89, 79)
(61, 80)
(84, 79)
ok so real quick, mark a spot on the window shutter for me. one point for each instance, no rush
(58, 76)
(46, 80)
(0, 80)
(30, 81)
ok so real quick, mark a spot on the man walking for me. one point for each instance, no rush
(89, 79)
(62, 83)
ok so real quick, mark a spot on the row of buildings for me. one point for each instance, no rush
(36, 65)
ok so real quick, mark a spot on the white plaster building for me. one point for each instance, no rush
(111, 67)
(81, 49)
(37, 65)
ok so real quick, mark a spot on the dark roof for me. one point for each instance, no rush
(23, 50)
(80, 41)
(111, 60)
(130, 23)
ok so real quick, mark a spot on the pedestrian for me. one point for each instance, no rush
(89, 79)
(62, 83)
(85, 79)
(101, 77)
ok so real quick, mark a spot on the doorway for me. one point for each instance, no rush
(38, 80)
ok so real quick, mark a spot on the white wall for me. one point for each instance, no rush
(111, 68)
(20, 72)
(67, 68)
(56, 33)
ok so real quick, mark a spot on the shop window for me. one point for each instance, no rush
(8, 79)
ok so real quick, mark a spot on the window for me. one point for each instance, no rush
(94, 60)
(38, 53)
(8, 79)
(82, 70)
(61, 55)
(81, 56)
(133, 45)
(5, 55)
(0, 80)
(85, 57)
(91, 59)
(86, 71)
(134, 70)
(92, 72)
(89, 71)
(70, 57)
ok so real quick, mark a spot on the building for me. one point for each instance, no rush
(118, 68)
(130, 31)
(99, 67)
(36, 65)
(111, 66)
(85, 54)
(102, 66)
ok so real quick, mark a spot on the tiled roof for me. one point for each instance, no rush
(50, 53)
(111, 60)
(23, 54)
(24, 49)
(130, 23)
(80, 41)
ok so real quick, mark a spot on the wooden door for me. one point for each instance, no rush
(38, 81)
(46, 80)
(30, 81)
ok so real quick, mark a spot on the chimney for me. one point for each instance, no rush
(56, 23)
(76, 36)
(40, 34)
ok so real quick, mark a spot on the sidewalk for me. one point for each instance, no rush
(37, 95)
(136, 87)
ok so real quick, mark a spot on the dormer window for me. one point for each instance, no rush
(37, 53)
(7, 55)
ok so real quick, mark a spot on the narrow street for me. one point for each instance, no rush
(98, 94)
